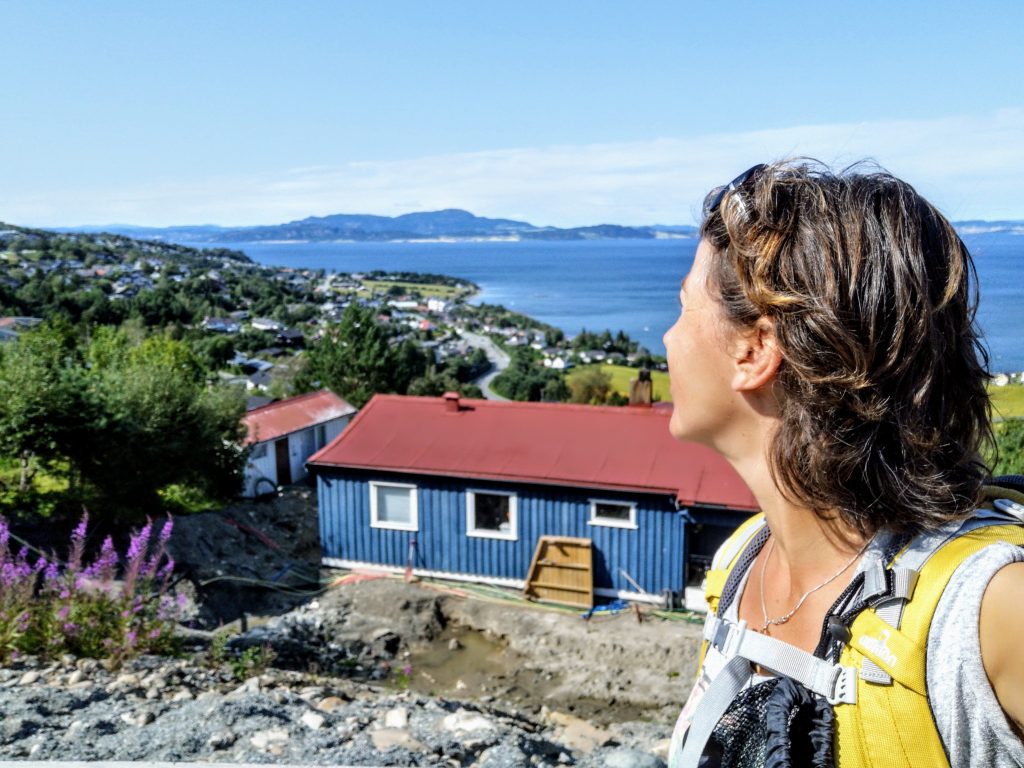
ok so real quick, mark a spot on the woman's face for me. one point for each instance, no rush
(701, 349)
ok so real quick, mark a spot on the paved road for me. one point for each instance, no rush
(499, 362)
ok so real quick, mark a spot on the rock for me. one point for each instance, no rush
(68, 659)
(29, 678)
(183, 695)
(143, 717)
(502, 756)
(264, 740)
(222, 739)
(577, 734)
(330, 704)
(464, 721)
(397, 718)
(153, 693)
(454, 644)
(312, 720)
(392, 738)
(75, 677)
(252, 685)
(661, 749)
(624, 757)
(13, 728)
(127, 680)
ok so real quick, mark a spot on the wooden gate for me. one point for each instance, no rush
(562, 571)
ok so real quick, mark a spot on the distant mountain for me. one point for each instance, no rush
(979, 227)
(451, 223)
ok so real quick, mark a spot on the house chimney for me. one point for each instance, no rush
(451, 402)
(641, 389)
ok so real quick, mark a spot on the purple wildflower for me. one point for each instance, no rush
(139, 542)
(70, 628)
(137, 546)
(40, 565)
(154, 633)
(79, 533)
(132, 638)
(105, 565)
(63, 612)
(23, 620)
(52, 573)
(165, 532)
(165, 572)
(181, 600)
(407, 670)
(78, 543)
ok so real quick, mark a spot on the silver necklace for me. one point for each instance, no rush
(783, 619)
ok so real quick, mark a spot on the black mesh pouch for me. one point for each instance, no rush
(775, 724)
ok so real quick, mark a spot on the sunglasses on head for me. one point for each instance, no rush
(711, 205)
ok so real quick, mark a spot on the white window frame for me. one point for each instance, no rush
(512, 534)
(414, 511)
(607, 523)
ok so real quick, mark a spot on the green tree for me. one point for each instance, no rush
(161, 425)
(1009, 447)
(46, 413)
(356, 360)
(590, 385)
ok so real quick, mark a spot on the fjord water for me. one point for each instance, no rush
(630, 285)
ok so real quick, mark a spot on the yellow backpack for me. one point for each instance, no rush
(886, 722)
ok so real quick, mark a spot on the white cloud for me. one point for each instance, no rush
(972, 167)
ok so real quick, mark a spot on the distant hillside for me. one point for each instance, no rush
(108, 246)
(978, 227)
(451, 223)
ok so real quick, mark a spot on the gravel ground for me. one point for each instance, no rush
(157, 709)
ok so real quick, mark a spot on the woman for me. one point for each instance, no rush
(826, 348)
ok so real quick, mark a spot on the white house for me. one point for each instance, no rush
(283, 435)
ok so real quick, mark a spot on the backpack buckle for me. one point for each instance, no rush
(843, 686)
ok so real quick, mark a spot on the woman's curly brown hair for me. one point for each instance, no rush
(883, 403)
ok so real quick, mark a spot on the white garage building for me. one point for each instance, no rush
(283, 435)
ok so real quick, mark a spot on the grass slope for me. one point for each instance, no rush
(621, 376)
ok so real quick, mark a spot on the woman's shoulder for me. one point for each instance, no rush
(979, 605)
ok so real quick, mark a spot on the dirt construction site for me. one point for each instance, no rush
(457, 639)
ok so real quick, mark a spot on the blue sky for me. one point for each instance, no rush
(558, 113)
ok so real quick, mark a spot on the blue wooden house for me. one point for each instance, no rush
(464, 489)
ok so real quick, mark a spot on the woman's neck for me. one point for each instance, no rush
(807, 548)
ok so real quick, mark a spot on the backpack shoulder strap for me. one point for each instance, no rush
(892, 724)
(727, 557)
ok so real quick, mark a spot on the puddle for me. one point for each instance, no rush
(483, 668)
(478, 667)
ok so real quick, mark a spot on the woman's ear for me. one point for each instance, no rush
(758, 357)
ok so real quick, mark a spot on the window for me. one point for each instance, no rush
(393, 505)
(321, 435)
(614, 514)
(491, 514)
(258, 451)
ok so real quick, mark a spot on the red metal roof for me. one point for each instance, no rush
(628, 449)
(286, 416)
